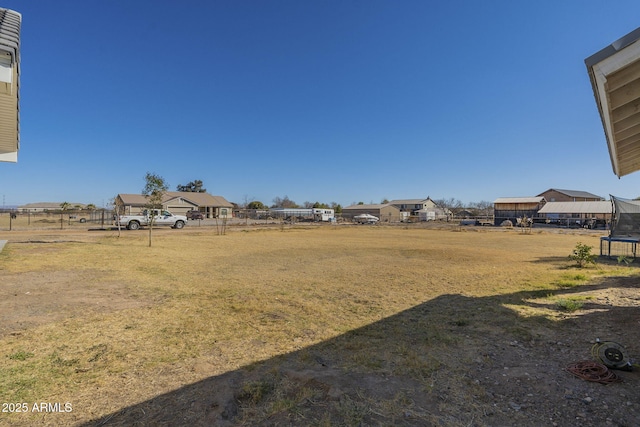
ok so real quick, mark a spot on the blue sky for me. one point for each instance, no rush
(330, 101)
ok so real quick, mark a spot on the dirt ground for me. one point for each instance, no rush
(506, 373)
(514, 378)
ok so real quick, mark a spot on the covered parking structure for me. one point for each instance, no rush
(386, 212)
(512, 208)
(582, 214)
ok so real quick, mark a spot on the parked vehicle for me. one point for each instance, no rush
(366, 219)
(323, 215)
(193, 214)
(160, 217)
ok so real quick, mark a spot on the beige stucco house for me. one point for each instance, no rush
(179, 202)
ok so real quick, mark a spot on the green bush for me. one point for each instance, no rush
(569, 305)
(582, 255)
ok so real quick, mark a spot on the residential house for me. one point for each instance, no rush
(556, 195)
(48, 207)
(10, 22)
(413, 205)
(614, 72)
(417, 209)
(178, 203)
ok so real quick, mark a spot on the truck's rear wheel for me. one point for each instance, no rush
(178, 224)
(133, 225)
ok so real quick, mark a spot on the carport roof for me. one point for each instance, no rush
(599, 207)
(615, 78)
(518, 200)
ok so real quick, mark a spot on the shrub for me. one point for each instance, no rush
(582, 255)
(569, 305)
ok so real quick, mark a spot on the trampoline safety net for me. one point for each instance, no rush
(624, 234)
(626, 218)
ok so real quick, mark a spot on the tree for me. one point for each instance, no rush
(255, 204)
(154, 190)
(284, 203)
(483, 208)
(337, 208)
(451, 206)
(64, 206)
(192, 187)
(117, 211)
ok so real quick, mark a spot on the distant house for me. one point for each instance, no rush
(555, 195)
(179, 202)
(511, 208)
(413, 205)
(386, 212)
(48, 207)
(418, 209)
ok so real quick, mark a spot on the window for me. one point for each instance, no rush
(6, 71)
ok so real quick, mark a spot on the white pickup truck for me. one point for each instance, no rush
(161, 217)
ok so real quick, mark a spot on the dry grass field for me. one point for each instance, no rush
(310, 325)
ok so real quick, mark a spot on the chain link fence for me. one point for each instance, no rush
(13, 219)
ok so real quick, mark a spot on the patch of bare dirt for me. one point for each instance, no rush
(35, 298)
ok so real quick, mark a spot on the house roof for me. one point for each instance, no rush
(201, 199)
(372, 206)
(198, 199)
(518, 200)
(599, 207)
(615, 78)
(48, 205)
(409, 201)
(575, 194)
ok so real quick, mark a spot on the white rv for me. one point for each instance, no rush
(324, 215)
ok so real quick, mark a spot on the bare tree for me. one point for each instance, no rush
(64, 206)
(483, 208)
(451, 206)
(284, 203)
(154, 190)
(117, 212)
